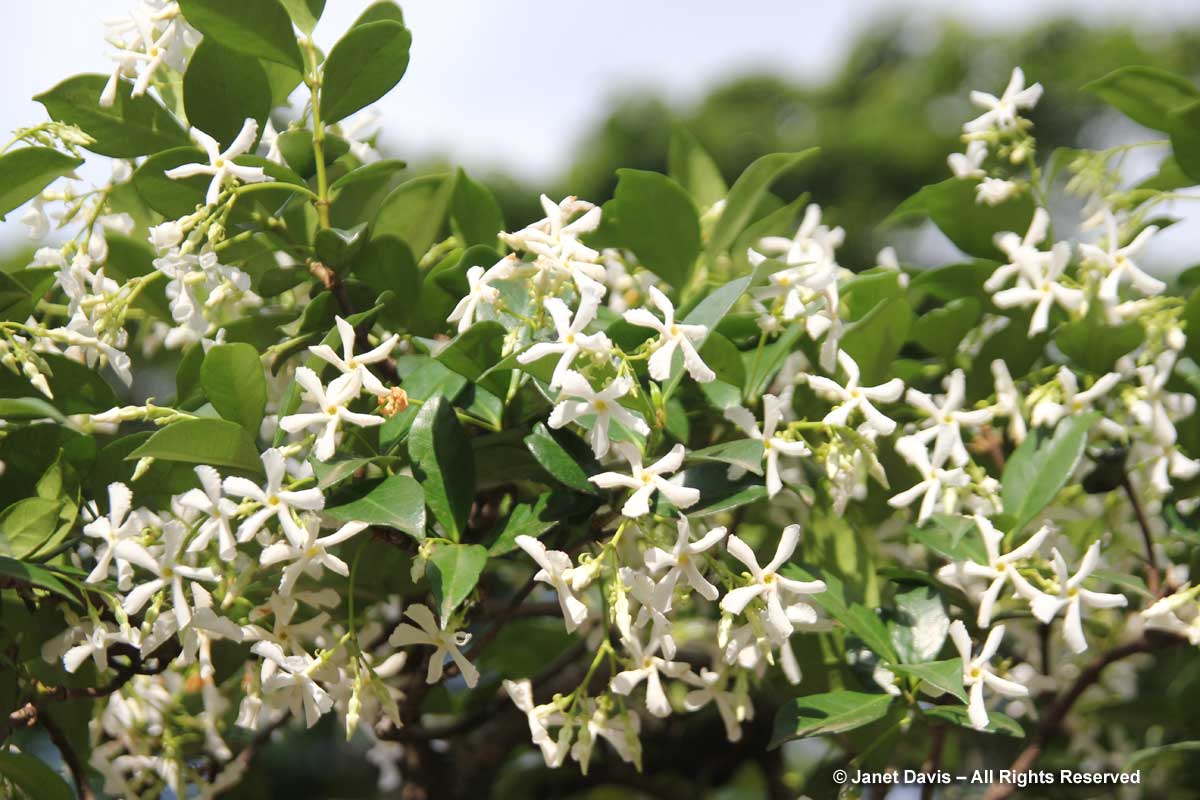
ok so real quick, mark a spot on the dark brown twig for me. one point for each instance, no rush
(1152, 571)
(69, 756)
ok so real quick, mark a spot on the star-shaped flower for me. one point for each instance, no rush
(220, 164)
(672, 335)
(646, 480)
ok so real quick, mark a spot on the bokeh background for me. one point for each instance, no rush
(552, 97)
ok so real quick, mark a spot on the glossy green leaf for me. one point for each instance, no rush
(997, 722)
(304, 13)
(233, 380)
(876, 339)
(1144, 94)
(384, 168)
(131, 126)
(941, 330)
(918, 624)
(35, 575)
(384, 10)
(694, 169)
(746, 454)
(564, 456)
(657, 220)
(1094, 344)
(33, 777)
(528, 519)
(945, 676)
(27, 171)
(475, 211)
(215, 442)
(261, 28)
(1183, 124)
(856, 618)
(222, 88)
(746, 195)
(397, 502)
(951, 537)
(362, 67)
(77, 388)
(443, 465)
(832, 712)
(1140, 759)
(171, 198)
(27, 524)
(1037, 470)
(453, 571)
(969, 225)
(416, 211)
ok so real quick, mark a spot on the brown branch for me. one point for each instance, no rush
(333, 283)
(1152, 571)
(934, 761)
(1052, 723)
(69, 756)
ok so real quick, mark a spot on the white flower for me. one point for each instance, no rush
(671, 335)
(481, 291)
(853, 397)
(601, 405)
(968, 165)
(209, 501)
(221, 166)
(947, 419)
(772, 445)
(446, 642)
(647, 666)
(555, 242)
(999, 569)
(571, 340)
(654, 604)
(293, 679)
(112, 530)
(1044, 290)
(1154, 408)
(935, 482)
(167, 569)
(1001, 112)
(275, 500)
(556, 569)
(1177, 614)
(977, 671)
(311, 555)
(994, 191)
(810, 253)
(681, 560)
(1073, 596)
(1118, 261)
(166, 236)
(84, 638)
(647, 480)
(1008, 401)
(733, 706)
(621, 733)
(348, 363)
(270, 140)
(1048, 412)
(331, 410)
(766, 584)
(541, 719)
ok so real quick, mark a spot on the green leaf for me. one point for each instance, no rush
(564, 456)
(1095, 345)
(215, 442)
(430, 379)
(832, 712)
(951, 537)
(1184, 126)
(397, 502)
(857, 619)
(233, 380)
(304, 13)
(380, 11)
(876, 339)
(443, 464)
(918, 625)
(261, 28)
(77, 388)
(1036, 471)
(717, 492)
(296, 147)
(454, 569)
(362, 67)
(941, 330)
(28, 408)
(744, 453)
(474, 351)
(528, 519)
(943, 675)
(171, 198)
(27, 171)
(131, 126)
(1144, 94)
(657, 220)
(386, 263)
(35, 575)
(27, 524)
(1140, 759)
(476, 213)
(222, 88)
(694, 169)
(969, 225)
(747, 193)
(33, 777)
(415, 211)
(373, 171)
(997, 722)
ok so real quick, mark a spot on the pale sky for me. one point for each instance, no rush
(513, 84)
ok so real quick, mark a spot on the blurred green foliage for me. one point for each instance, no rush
(884, 122)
